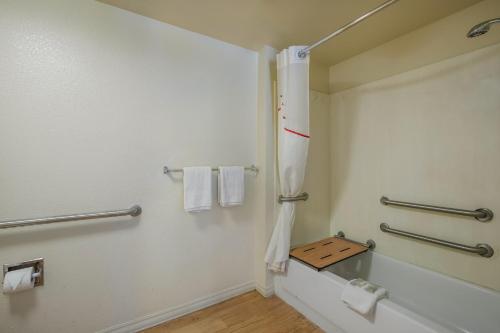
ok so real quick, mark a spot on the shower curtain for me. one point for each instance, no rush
(293, 142)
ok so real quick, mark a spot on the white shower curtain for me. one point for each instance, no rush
(293, 142)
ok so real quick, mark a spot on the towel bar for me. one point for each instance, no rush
(167, 170)
(483, 250)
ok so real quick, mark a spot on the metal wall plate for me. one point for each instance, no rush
(37, 265)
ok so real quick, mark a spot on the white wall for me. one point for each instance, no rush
(442, 39)
(93, 102)
(265, 213)
(430, 135)
(312, 219)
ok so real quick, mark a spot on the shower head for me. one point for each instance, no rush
(482, 28)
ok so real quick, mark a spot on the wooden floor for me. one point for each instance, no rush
(249, 312)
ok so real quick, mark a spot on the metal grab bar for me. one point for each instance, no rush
(369, 243)
(167, 170)
(483, 250)
(301, 197)
(133, 211)
(481, 214)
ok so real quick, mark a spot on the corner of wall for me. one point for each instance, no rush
(319, 77)
(440, 40)
(265, 206)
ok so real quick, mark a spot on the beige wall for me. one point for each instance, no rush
(311, 223)
(265, 213)
(430, 135)
(440, 40)
(318, 77)
(94, 101)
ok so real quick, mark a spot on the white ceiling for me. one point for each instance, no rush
(279, 23)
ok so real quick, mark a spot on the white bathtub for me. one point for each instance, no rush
(419, 300)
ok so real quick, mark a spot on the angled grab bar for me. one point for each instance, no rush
(483, 250)
(480, 214)
(133, 211)
(301, 197)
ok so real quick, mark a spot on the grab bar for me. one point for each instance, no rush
(133, 211)
(252, 168)
(369, 243)
(483, 250)
(481, 214)
(301, 197)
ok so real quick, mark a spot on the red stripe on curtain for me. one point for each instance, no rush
(297, 133)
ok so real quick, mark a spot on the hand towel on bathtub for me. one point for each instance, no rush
(362, 296)
(231, 186)
(197, 189)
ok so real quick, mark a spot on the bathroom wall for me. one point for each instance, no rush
(442, 39)
(429, 135)
(312, 216)
(319, 76)
(266, 201)
(94, 101)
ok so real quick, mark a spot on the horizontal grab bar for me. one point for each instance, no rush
(133, 211)
(369, 243)
(483, 250)
(481, 214)
(167, 170)
(301, 197)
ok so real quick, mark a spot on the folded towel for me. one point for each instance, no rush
(197, 189)
(231, 186)
(362, 296)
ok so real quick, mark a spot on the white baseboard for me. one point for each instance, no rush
(266, 291)
(178, 311)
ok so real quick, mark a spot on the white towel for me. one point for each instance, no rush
(231, 186)
(362, 296)
(197, 189)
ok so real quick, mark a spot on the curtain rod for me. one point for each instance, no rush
(303, 53)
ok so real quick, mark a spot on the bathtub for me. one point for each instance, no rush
(420, 300)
